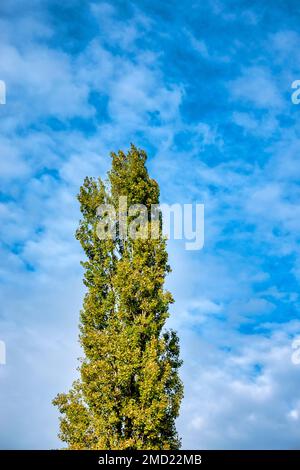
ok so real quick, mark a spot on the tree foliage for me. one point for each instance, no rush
(129, 392)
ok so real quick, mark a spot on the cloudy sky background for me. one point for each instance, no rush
(205, 88)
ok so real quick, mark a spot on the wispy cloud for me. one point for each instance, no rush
(210, 102)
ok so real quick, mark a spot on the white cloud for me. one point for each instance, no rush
(241, 389)
(257, 86)
(263, 127)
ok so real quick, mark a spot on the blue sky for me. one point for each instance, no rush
(205, 88)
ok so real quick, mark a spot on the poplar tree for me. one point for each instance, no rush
(128, 393)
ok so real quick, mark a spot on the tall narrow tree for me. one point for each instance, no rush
(129, 392)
